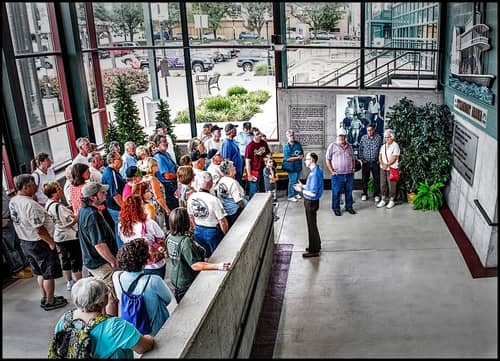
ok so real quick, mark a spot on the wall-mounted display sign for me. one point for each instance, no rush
(464, 152)
(471, 110)
(308, 122)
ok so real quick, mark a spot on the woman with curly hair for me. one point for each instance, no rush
(187, 256)
(133, 224)
(132, 258)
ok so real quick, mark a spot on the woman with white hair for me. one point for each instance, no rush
(112, 337)
(388, 157)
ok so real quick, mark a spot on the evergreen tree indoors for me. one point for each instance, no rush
(127, 115)
(163, 116)
(111, 135)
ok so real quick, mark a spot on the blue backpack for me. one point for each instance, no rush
(133, 307)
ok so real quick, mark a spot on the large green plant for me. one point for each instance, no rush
(424, 135)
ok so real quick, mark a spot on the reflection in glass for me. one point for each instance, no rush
(54, 142)
(41, 92)
(30, 27)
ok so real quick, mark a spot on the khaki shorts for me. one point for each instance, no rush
(105, 273)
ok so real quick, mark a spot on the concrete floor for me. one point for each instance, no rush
(388, 283)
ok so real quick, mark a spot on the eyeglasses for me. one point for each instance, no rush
(309, 159)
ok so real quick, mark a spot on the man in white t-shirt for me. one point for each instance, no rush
(96, 165)
(84, 148)
(35, 228)
(230, 192)
(207, 215)
(215, 142)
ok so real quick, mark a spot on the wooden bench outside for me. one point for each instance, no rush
(213, 82)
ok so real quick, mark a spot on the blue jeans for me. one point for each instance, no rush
(258, 186)
(293, 177)
(116, 218)
(208, 237)
(342, 183)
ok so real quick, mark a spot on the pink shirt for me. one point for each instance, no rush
(340, 158)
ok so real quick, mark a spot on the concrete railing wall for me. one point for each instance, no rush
(217, 317)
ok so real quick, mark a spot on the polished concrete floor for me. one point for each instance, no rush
(388, 284)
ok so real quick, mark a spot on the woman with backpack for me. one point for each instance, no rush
(131, 283)
(110, 337)
(65, 233)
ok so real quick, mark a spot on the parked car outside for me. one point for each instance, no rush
(46, 63)
(294, 35)
(178, 36)
(248, 35)
(322, 35)
(122, 52)
(210, 36)
(175, 61)
(247, 59)
(157, 35)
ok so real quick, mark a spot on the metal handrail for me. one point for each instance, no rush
(484, 214)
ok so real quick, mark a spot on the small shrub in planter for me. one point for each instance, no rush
(182, 116)
(217, 103)
(259, 96)
(429, 197)
(236, 90)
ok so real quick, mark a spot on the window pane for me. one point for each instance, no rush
(249, 23)
(328, 24)
(41, 91)
(96, 121)
(166, 19)
(54, 142)
(252, 70)
(397, 68)
(118, 22)
(90, 78)
(30, 27)
(323, 67)
(82, 25)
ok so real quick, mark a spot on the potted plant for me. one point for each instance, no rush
(424, 135)
(429, 197)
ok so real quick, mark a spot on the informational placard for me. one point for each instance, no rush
(308, 122)
(464, 152)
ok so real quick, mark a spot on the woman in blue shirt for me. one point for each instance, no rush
(131, 259)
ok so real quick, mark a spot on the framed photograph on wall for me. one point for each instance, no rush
(355, 112)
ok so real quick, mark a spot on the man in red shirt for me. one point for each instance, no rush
(255, 152)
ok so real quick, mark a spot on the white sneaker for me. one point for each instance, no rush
(69, 285)
(292, 199)
(390, 204)
(364, 197)
(377, 199)
(381, 204)
(298, 196)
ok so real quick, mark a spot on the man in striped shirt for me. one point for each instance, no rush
(369, 147)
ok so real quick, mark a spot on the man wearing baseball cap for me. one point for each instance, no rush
(97, 240)
(230, 150)
(340, 162)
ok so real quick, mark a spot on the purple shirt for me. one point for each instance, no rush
(340, 159)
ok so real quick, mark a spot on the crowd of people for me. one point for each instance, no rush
(117, 224)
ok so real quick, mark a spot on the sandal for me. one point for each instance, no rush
(43, 301)
(58, 303)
